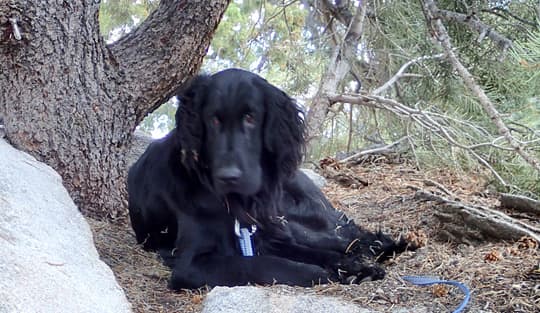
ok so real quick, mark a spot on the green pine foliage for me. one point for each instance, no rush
(118, 17)
(289, 43)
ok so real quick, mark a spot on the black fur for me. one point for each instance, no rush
(235, 155)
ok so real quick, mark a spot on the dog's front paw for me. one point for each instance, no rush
(355, 272)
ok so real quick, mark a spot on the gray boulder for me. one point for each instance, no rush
(262, 300)
(48, 262)
(266, 300)
(316, 178)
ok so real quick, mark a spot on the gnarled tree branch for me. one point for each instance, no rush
(467, 222)
(520, 203)
(154, 57)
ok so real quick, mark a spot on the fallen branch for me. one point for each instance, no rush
(520, 203)
(467, 223)
(383, 149)
(432, 183)
(331, 169)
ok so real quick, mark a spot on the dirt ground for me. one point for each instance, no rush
(503, 276)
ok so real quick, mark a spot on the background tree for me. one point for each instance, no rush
(73, 101)
(409, 92)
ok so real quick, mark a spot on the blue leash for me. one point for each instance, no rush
(432, 280)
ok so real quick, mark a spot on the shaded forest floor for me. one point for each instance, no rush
(503, 276)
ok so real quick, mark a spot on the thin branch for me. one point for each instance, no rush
(473, 23)
(400, 73)
(424, 118)
(496, 11)
(375, 150)
(491, 144)
(432, 183)
(412, 145)
(444, 40)
(491, 169)
(427, 120)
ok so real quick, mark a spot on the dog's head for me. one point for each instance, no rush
(240, 130)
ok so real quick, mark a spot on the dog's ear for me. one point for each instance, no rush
(189, 126)
(284, 130)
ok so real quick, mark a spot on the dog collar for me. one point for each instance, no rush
(244, 238)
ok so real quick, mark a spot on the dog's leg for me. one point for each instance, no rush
(215, 270)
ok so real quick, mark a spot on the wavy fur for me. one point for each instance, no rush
(234, 155)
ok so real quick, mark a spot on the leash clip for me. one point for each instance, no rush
(244, 238)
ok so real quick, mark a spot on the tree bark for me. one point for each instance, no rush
(338, 67)
(520, 203)
(73, 102)
(465, 223)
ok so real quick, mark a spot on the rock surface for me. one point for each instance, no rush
(316, 178)
(261, 300)
(264, 300)
(48, 262)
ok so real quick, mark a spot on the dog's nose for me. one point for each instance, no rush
(229, 175)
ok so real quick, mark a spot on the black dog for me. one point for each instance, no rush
(229, 167)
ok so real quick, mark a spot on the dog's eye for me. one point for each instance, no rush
(215, 121)
(249, 120)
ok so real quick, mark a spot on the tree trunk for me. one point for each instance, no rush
(73, 102)
(338, 67)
